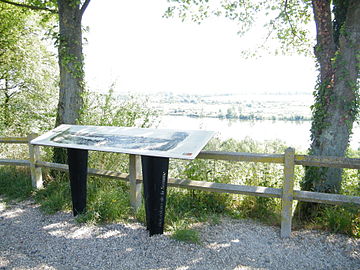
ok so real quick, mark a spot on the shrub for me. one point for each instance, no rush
(341, 219)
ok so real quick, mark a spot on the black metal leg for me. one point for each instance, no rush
(77, 160)
(155, 176)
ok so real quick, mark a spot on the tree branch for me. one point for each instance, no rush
(293, 31)
(84, 6)
(29, 6)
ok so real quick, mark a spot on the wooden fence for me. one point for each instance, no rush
(287, 194)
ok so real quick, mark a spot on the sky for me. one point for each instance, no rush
(130, 45)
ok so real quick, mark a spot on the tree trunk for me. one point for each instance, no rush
(335, 108)
(6, 106)
(71, 65)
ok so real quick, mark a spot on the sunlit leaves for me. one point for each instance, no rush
(27, 72)
(195, 10)
(284, 22)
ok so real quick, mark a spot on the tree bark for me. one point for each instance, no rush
(6, 105)
(325, 47)
(71, 65)
(336, 105)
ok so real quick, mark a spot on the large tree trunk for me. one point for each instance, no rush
(335, 107)
(71, 65)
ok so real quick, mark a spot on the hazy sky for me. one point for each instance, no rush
(130, 44)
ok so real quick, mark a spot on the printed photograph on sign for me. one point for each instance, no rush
(184, 144)
(121, 141)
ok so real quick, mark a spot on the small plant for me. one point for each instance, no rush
(259, 208)
(215, 219)
(55, 197)
(341, 219)
(187, 235)
(108, 202)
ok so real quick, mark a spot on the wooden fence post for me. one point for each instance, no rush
(287, 192)
(135, 188)
(36, 174)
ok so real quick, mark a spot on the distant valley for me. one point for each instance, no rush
(289, 107)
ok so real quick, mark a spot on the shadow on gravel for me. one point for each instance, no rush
(32, 240)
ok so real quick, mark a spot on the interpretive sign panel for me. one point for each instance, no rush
(183, 144)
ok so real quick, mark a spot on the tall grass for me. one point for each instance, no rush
(56, 196)
(108, 201)
(15, 183)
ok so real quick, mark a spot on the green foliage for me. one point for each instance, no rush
(15, 184)
(109, 110)
(108, 201)
(196, 206)
(55, 197)
(41, 5)
(266, 210)
(187, 235)
(286, 21)
(341, 219)
(189, 206)
(233, 172)
(27, 81)
(351, 177)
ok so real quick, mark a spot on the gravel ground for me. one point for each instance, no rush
(33, 240)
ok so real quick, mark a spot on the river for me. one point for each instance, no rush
(294, 134)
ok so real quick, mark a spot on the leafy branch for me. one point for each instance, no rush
(29, 6)
(35, 7)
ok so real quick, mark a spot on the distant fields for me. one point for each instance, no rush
(293, 107)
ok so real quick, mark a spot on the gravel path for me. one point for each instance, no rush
(32, 240)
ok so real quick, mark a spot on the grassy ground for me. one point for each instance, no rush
(15, 183)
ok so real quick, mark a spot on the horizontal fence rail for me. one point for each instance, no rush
(287, 194)
(14, 162)
(314, 161)
(331, 162)
(14, 140)
(248, 157)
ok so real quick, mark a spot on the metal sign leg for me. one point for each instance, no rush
(155, 176)
(77, 160)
